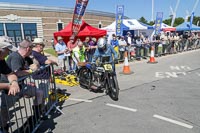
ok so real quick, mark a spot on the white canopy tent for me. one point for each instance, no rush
(129, 25)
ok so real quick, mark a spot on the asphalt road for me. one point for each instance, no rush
(157, 98)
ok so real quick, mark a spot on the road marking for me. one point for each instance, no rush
(80, 100)
(121, 107)
(173, 121)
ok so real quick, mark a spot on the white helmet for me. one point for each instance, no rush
(101, 43)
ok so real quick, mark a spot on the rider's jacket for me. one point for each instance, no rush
(109, 51)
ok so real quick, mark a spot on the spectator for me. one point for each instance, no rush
(129, 40)
(12, 87)
(86, 44)
(61, 49)
(71, 45)
(52, 43)
(115, 44)
(17, 63)
(5, 47)
(78, 53)
(38, 46)
(42, 60)
(92, 47)
(164, 41)
(122, 45)
(138, 48)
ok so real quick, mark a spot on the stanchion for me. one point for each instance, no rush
(126, 68)
(152, 58)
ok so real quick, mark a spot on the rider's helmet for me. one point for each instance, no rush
(101, 44)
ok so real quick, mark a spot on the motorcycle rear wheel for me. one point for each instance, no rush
(85, 77)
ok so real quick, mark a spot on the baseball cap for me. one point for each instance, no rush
(6, 42)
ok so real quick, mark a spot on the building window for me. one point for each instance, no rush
(99, 25)
(30, 31)
(60, 26)
(14, 32)
(1, 29)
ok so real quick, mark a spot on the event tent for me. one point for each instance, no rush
(165, 27)
(85, 30)
(186, 26)
(128, 24)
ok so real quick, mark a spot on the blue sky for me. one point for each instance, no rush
(133, 8)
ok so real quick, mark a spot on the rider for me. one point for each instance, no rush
(103, 49)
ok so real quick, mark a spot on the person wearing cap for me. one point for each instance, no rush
(38, 46)
(12, 87)
(5, 47)
(61, 49)
(42, 77)
(17, 63)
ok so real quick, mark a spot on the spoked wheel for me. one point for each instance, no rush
(114, 88)
(85, 77)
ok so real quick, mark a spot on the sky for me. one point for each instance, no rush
(134, 9)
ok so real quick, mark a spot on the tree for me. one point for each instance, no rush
(178, 21)
(151, 23)
(167, 21)
(195, 20)
(143, 20)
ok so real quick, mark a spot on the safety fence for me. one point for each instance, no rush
(26, 111)
(142, 51)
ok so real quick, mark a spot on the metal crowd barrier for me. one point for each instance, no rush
(26, 111)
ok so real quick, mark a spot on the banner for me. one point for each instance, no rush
(119, 19)
(191, 19)
(79, 11)
(158, 22)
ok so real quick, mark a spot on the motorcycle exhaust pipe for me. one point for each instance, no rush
(94, 87)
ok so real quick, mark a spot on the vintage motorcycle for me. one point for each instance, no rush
(102, 77)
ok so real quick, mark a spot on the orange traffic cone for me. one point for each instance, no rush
(126, 69)
(152, 59)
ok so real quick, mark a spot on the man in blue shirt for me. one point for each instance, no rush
(61, 50)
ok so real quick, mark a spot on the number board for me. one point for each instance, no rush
(108, 67)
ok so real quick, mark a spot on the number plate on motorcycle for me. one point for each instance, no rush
(108, 67)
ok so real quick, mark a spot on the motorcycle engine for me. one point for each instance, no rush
(97, 78)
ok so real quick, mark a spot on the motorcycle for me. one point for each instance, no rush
(102, 77)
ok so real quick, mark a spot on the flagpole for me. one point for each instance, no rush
(152, 10)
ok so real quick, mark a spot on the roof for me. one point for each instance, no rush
(128, 24)
(26, 7)
(186, 26)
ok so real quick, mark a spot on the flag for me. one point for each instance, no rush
(79, 11)
(158, 22)
(191, 19)
(119, 19)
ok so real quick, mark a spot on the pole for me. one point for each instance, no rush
(152, 10)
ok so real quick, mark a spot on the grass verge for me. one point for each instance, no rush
(50, 51)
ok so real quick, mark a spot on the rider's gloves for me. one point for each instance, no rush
(93, 66)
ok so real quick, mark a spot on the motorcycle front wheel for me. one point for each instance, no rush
(114, 87)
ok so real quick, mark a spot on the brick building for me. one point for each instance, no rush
(20, 21)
